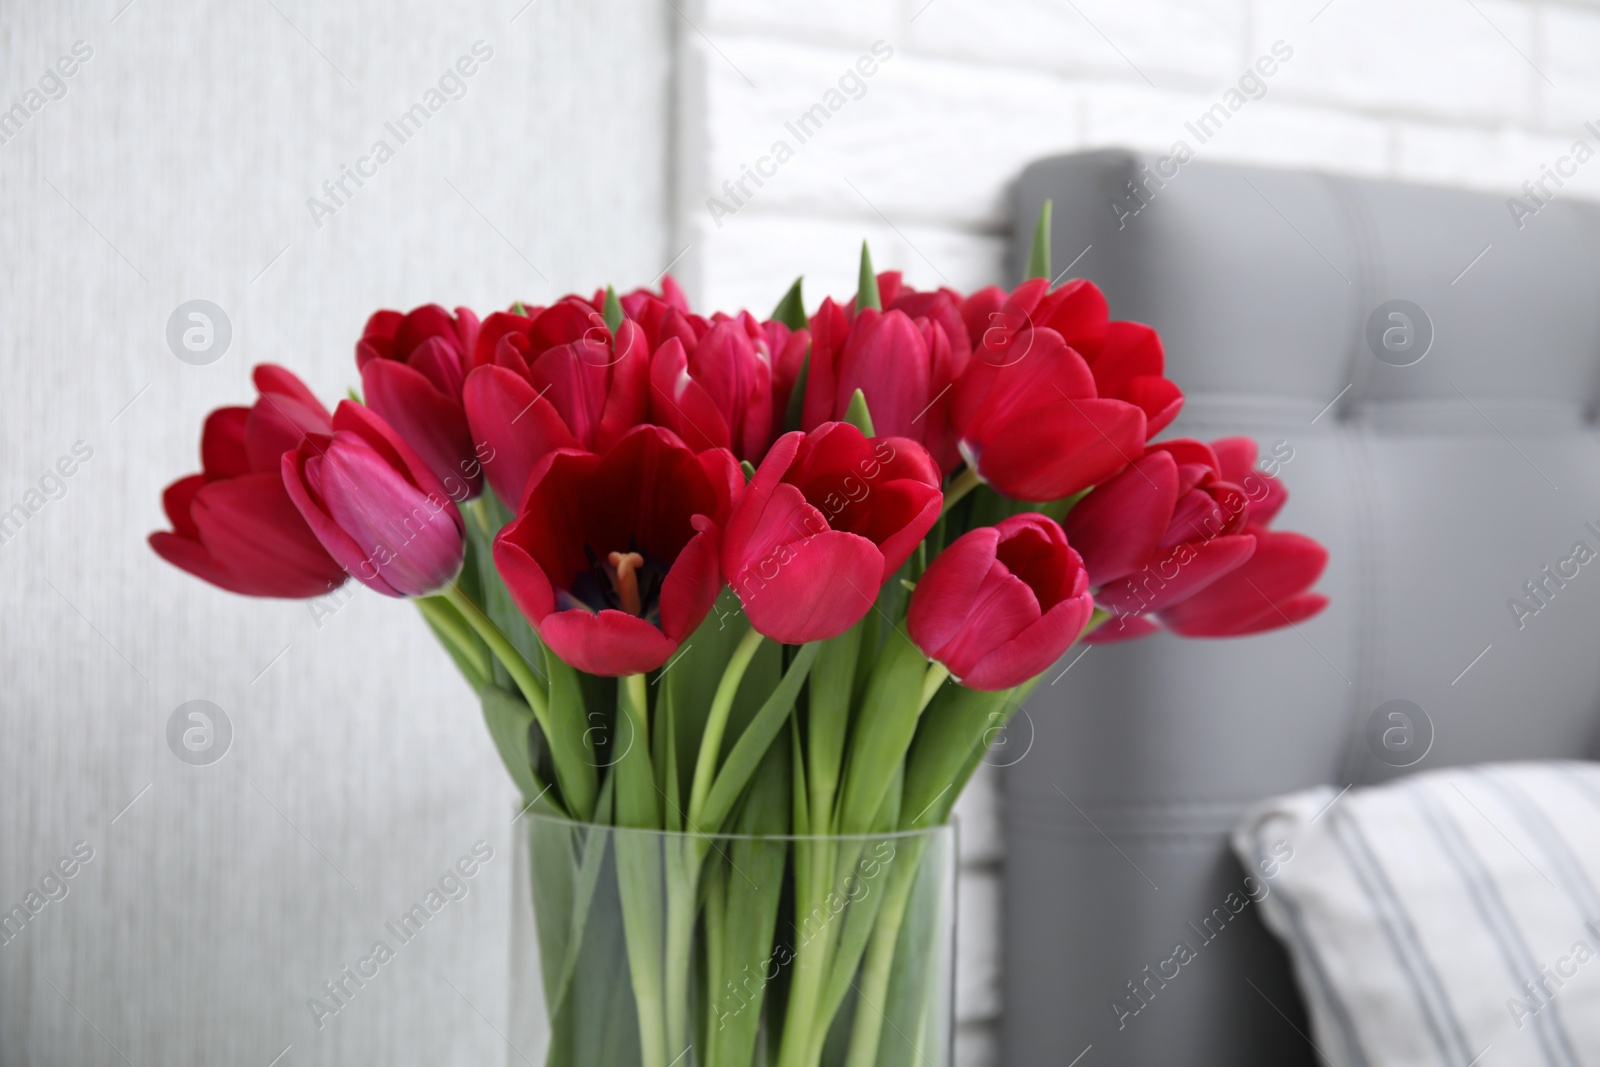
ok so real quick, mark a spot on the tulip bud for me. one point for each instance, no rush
(375, 505)
(1002, 603)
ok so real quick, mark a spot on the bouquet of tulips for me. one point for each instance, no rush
(777, 577)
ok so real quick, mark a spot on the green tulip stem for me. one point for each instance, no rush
(705, 767)
(937, 675)
(479, 509)
(504, 651)
(964, 483)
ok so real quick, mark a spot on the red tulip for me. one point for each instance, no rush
(234, 525)
(1125, 358)
(1177, 538)
(554, 379)
(613, 558)
(376, 506)
(1270, 590)
(903, 359)
(719, 391)
(827, 519)
(1002, 603)
(660, 315)
(1032, 425)
(789, 349)
(412, 369)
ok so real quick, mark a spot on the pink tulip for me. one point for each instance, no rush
(376, 506)
(719, 391)
(827, 519)
(904, 360)
(1031, 423)
(554, 379)
(1002, 603)
(1174, 541)
(412, 369)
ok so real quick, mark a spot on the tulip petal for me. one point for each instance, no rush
(430, 421)
(410, 535)
(278, 423)
(1004, 608)
(681, 403)
(301, 477)
(692, 583)
(888, 359)
(942, 599)
(176, 500)
(1251, 598)
(1079, 313)
(1176, 574)
(820, 588)
(1159, 398)
(1057, 450)
(627, 399)
(252, 524)
(527, 582)
(222, 450)
(1117, 528)
(609, 643)
(746, 519)
(518, 425)
(1032, 651)
(902, 513)
(282, 383)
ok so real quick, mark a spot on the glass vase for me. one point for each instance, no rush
(644, 948)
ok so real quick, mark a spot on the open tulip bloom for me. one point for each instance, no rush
(670, 551)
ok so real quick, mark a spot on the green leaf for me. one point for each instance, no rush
(867, 287)
(570, 746)
(885, 725)
(857, 414)
(745, 923)
(692, 676)
(1039, 253)
(791, 310)
(353, 395)
(794, 413)
(828, 717)
(468, 651)
(638, 802)
(613, 310)
(955, 734)
(508, 719)
(497, 603)
(752, 745)
(518, 308)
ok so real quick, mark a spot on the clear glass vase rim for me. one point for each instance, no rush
(930, 832)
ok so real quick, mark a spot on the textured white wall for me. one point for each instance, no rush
(177, 165)
(1481, 93)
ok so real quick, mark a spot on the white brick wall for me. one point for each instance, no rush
(1476, 94)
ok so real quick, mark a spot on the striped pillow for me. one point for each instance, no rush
(1449, 919)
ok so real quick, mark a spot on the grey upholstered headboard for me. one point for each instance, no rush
(1440, 488)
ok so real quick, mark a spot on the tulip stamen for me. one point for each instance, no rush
(625, 580)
